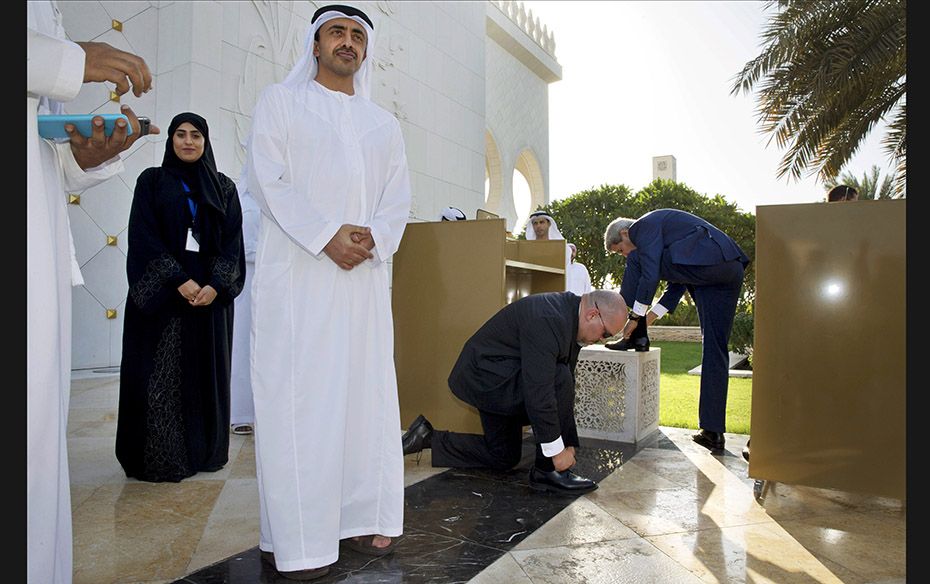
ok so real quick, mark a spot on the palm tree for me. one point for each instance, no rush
(868, 187)
(828, 71)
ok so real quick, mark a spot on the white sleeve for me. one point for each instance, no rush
(390, 218)
(76, 178)
(54, 67)
(268, 176)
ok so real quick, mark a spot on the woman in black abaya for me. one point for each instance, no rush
(185, 265)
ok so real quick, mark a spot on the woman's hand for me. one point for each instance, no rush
(189, 290)
(205, 297)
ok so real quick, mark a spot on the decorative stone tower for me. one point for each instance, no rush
(664, 167)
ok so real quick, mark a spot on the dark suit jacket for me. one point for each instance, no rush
(509, 366)
(686, 239)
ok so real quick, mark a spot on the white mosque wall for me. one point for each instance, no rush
(518, 71)
(435, 70)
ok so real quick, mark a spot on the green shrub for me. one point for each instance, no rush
(742, 336)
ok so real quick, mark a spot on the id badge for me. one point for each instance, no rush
(192, 244)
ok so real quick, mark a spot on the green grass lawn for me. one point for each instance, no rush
(678, 391)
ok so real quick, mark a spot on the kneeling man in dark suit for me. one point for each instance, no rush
(518, 370)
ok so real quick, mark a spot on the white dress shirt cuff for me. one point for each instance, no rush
(640, 308)
(550, 449)
(659, 310)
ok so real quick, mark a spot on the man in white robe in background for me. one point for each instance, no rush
(56, 68)
(541, 226)
(241, 410)
(577, 278)
(327, 167)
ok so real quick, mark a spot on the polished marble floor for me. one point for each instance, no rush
(667, 511)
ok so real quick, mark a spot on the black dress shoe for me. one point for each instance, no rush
(641, 344)
(417, 437)
(710, 440)
(621, 345)
(640, 336)
(560, 482)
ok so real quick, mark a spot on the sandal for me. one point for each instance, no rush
(242, 429)
(365, 545)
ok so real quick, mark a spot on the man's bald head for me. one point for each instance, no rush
(602, 314)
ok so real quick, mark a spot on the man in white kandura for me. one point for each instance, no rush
(327, 167)
(541, 226)
(241, 410)
(577, 278)
(56, 69)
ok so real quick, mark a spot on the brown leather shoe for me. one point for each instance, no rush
(308, 574)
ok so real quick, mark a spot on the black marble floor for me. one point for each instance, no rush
(672, 512)
(456, 524)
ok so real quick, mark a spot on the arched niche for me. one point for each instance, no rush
(528, 166)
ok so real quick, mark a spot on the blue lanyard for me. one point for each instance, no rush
(190, 201)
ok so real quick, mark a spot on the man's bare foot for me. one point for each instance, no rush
(373, 545)
(378, 541)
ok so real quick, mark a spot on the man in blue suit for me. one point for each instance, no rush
(689, 254)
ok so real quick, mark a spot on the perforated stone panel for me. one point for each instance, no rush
(600, 389)
(617, 393)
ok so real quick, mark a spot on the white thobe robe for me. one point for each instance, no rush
(241, 410)
(577, 279)
(55, 72)
(327, 420)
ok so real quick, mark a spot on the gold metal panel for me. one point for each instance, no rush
(111, 240)
(114, 96)
(74, 199)
(448, 279)
(116, 25)
(111, 313)
(546, 253)
(828, 403)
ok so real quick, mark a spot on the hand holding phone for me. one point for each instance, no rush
(99, 147)
(53, 126)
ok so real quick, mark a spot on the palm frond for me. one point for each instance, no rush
(827, 73)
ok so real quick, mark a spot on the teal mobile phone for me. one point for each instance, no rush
(54, 126)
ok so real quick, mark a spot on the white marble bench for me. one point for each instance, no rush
(617, 393)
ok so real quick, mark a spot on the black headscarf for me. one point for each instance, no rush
(203, 180)
(200, 176)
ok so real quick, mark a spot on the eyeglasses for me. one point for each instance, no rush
(606, 334)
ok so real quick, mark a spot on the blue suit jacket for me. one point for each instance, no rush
(683, 239)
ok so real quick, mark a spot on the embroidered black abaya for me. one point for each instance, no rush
(175, 371)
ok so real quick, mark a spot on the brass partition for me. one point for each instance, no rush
(533, 266)
(449, 277)
(828, 395)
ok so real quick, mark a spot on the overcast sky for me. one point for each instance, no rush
(644, 79)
